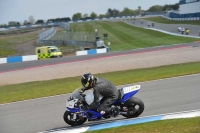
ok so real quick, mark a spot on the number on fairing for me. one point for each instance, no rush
(131, 88)
(70, 104)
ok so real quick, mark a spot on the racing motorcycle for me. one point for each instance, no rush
(77, 106)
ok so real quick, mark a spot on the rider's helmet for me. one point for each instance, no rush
(87, 80)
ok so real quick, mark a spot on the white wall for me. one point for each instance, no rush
(29, 57)
(104, 50)
(190, 8)
(78, 53)
(3, 60)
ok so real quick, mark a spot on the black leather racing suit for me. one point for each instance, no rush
(107, 90)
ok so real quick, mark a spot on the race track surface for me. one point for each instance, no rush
(194, 29)
(115, 61)
(161, 96)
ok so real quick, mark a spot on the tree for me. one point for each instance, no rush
(14, 23)
(171, 7)
(93, 15)
(176, 6)
(156, 8)
(31, 19)
(126, 12)
(76, 16)
(26, 22)
(109, 12)
(112, 12)
(85, 15)
(39, 22)
(102, 15)
(3, 26)
(18, 24)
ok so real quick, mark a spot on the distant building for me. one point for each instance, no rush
(189, 6)
(187, 9)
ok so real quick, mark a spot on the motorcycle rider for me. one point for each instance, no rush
(106, 89)
(179, 28)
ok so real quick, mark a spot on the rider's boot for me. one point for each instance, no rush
(115, 111)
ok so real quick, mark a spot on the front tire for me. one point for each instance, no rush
(68, 119)
(135, 107)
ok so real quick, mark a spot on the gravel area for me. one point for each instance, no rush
(110, 64)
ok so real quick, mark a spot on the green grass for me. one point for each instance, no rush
(125, 37)
(166, 21)
(39, 89)
(188, 125)
(121, 36)
(8, 44)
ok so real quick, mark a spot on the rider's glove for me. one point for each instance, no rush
(82, 90)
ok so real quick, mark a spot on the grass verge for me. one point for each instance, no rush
(121, 36)
(166, 21)
(188, 125)
(8, 44)
(31, 90)
(125, 37)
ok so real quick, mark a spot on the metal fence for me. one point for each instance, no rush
(67, 39)
(46, 34)
(77, 39)
(76, 36)
(68, 43)
(64, 25)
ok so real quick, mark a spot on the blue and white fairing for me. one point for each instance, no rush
(126, 93)
(71, 104)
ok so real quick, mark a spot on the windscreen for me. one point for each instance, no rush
(54, 50)
(76, 95)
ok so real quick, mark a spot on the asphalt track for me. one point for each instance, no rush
(68, 59)
(194, 29)
(161, 96)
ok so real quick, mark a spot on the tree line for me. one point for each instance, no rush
(110, 13)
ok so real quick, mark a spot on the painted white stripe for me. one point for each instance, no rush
(77, 130)
(12, 27)
(103, 50)
(78, 53)
(181, 115)
(29, 57)
(3, 60)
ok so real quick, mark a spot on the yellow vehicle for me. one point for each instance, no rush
(48, 52)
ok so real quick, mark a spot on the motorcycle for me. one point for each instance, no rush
(78, 112)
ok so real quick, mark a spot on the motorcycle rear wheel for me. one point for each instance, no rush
(135, 107)
(78, 121)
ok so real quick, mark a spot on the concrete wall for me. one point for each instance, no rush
(92, 51)
(16, 59)
(190, 8)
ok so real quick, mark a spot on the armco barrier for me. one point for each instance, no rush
(92, 51)
(16, 59)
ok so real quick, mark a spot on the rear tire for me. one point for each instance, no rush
(135, 107)
(67, 118)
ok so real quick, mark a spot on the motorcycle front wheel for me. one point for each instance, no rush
(68, 118)
(135, 107)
